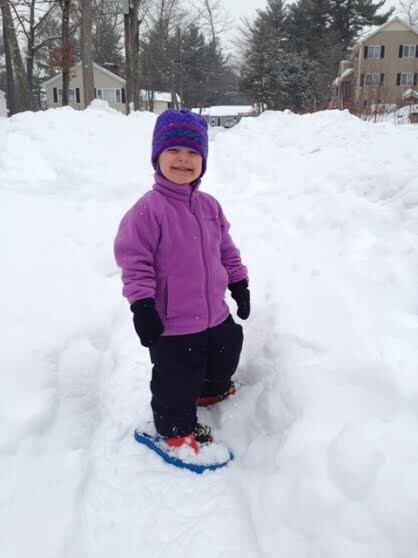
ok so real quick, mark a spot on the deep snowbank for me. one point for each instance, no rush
(324, 427)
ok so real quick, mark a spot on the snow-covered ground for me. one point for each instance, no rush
(324, 426)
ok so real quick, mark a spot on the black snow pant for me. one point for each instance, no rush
(187, 367)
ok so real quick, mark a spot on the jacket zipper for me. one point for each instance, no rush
(205, 265)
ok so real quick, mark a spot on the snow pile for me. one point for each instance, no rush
(324, 424)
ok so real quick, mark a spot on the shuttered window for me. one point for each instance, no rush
(71, 95)
(409, 51)
(405, 79)
(374, 52)
(373, 79)
(109, 95)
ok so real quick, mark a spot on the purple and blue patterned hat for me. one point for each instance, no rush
(180, 128)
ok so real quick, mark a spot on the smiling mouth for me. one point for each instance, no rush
(182, 169)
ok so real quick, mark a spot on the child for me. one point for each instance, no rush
(177, 260)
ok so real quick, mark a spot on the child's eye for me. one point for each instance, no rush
(193, 153)
(172, 150)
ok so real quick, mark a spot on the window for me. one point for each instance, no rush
(71, 95)
(374, 52)
(408, 51)
(372, 79)
(407, 79)
(109, 95)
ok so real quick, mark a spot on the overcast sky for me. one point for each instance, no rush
(242, 8)
(237, 9)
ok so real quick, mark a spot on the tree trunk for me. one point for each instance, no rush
(86, 51)
(133, 94)
(135, 55)
(11, 45)
(65, 46)
(10, 91)
(30, 48)
(128, 63)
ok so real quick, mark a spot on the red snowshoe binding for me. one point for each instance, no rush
(208, 400)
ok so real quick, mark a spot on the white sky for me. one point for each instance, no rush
(242, 8)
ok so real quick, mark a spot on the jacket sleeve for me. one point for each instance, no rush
(230, 256)
(134, 248)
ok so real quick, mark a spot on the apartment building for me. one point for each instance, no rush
(382, 69)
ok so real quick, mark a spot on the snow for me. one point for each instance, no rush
(163, 96)
(346, 73)
(410, 93)
(225, 110)
(3, 106)
(324, 208)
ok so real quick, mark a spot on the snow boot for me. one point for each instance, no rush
(200, 435)
(208, 400)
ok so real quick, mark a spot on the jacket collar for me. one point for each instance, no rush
(178, 191)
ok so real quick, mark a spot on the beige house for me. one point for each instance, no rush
(382, 67)
(108, 86)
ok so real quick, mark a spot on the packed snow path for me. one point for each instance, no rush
(324, 426)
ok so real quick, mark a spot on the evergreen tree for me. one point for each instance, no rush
(190, 75)
(308, 27)
(348, 17)
(266, 44)
(107, 33)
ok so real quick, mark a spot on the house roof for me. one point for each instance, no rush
(96, 66)
(346, 73)
(369, 34)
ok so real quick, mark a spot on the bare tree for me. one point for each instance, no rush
(86, 51)
(12, 51)
(215, 23)
(33, 17)
(410, 9)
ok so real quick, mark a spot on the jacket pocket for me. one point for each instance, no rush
(161, 295)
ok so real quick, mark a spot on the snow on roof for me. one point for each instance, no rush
(163, 96)
(407, 110)
(368, 32)
(225, 110)
(410, 93)
(343, 76)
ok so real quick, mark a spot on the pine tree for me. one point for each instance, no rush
(348, 17)
(265, 47)
(107, 33)
(308, 27)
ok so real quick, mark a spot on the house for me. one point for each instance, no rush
(226, 116)
(108, 86)
(158, 101)
(3, 106)
(381, 67)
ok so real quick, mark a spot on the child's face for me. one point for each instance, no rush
(180, 165)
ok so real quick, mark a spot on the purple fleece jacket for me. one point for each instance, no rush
(173, 245)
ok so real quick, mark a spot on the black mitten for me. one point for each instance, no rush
(241, 295)
(147, 322)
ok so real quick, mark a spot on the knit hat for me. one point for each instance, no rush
(180, 128)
